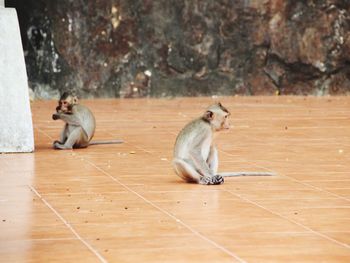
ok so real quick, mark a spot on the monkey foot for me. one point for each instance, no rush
(216, 179)
(60, 146)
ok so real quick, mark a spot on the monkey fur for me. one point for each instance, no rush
(79, 126)
(195, 154)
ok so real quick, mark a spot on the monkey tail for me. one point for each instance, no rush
(106, 142)
(234, 174)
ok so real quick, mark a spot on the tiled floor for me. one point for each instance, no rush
(123, 203)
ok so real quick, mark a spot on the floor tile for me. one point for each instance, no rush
(124, 203)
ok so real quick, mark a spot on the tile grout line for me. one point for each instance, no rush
(321, 189)
(291, 220)
(169, 214)
(147, 201)
(292, 179)
(137, 147)
(247, 200)
(68, 225)
(48, 239)
(306, 184)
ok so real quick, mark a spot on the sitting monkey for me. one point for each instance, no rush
(195, 155)
(79, 125)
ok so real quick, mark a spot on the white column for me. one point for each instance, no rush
(16, 128)
(2, 3)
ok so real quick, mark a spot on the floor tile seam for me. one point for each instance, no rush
(334, 189)
(40, 239)
(286, 129)
(306, 232)
(329, 173)
(177, 220)
(294, 222)
(42, 132)
(318, 188)
(332, 231)
(240, 159)
(48, 136)
(250, 140)
(273, 199)
(327, 180)
(315, 207)
(290, 198)
(284, 199)
(308, 140)
(69, 226)
(84, 193)
(182, 191)
(137, 147)
(298, 181)
(296, 143)
(150, 152)
(287, 117)
(316, 127)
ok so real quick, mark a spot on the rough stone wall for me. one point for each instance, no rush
(137, 48)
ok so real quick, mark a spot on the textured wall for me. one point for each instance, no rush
(136, 48)
(16, 132)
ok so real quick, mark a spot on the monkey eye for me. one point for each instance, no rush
(65, 102)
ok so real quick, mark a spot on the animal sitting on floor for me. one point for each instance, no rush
(195, 155)
(79, 125)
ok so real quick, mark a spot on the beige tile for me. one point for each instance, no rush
(46, 251)
(127, 204)
(302, 247)
(341, 236)
(282, 194)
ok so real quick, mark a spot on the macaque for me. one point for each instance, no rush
(79, 125)
(195, 155)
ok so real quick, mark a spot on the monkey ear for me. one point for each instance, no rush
(75, 100)
(208, 115)
(219, 104)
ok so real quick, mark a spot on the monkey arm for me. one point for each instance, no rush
(213, 160)
(71, 119)
(208, 175)
(195, 152)
(200, 164)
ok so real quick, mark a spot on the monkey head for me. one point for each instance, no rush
(218, 117)
(66, 103)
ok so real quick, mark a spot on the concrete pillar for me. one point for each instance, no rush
(16, 128)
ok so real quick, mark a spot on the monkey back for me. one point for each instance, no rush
(87, 119)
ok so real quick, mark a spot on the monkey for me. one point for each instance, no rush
(66, 103)
(195, 154)
(79, 125)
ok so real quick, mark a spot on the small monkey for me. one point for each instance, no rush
(79, 126)
(195, 155)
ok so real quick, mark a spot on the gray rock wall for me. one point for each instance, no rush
(138, 48)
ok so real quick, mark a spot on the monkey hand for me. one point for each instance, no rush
(55, 116)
